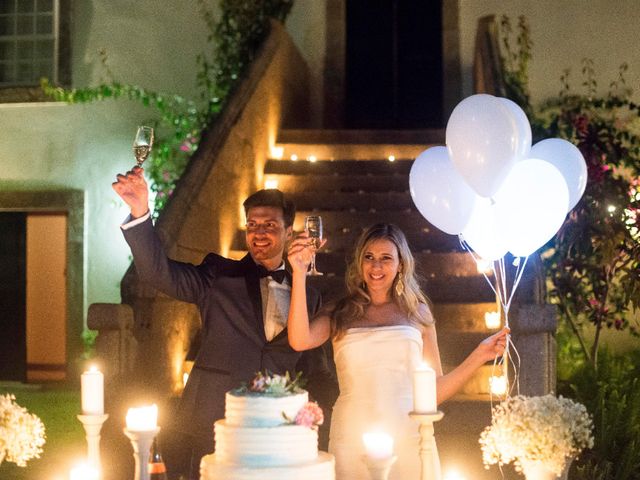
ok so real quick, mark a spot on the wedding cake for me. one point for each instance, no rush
(269, 433)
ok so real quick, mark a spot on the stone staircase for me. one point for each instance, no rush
(352, 184)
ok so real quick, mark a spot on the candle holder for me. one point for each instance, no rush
(379, 467)
(92, 425)
(428, 452)
(141, 441)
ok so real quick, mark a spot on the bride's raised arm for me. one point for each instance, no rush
(303, 334)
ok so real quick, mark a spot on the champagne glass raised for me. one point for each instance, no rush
(313, 227)
(142, 144)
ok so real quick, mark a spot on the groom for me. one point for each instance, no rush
(243, 306)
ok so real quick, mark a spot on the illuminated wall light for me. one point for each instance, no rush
(312, 158)
(492, 320)
(498, 385)
(392, 158)
(277, 152)
(294, 157)
(454, 475)
(271, 184)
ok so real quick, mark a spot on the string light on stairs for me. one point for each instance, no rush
(498, 385)
(294, 157)
(312, 158)
(484, 266)
(270, 184)
(277, 152)
(492, 320)
(392, 158)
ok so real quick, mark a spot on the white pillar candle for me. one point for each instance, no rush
(378, 445)
(142, 419)
(92, 391)
(424, 389)
(84, 472)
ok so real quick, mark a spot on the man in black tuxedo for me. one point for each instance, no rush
(243, 306)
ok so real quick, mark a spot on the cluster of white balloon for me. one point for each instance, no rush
(490, 186)
(496, 191)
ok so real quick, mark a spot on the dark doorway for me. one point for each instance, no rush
(13, 345)
(394, 68)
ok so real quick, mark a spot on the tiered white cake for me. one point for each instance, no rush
(255, 441)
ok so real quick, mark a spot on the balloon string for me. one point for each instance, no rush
(505, 298)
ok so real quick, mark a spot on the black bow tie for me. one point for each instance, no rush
(277, 275)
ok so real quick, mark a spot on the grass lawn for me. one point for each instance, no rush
(57, 407)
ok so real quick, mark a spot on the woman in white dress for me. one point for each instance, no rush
(381, 330)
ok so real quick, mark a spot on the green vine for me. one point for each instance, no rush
(592, 264)
(232, 43)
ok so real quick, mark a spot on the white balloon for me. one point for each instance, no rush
(522, 145)
(439, 192)
(483, 140)
(484, 232)
(532, 205)
(567, 158)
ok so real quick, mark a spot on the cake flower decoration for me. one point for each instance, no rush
(310, 415)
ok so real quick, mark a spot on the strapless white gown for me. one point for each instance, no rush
(374, 367)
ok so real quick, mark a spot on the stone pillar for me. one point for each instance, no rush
(115, 346)
(533, 328)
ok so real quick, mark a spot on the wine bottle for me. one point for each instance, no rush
(157, 469)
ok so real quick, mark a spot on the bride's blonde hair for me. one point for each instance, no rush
(409, 297)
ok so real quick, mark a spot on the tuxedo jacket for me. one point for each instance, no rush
(233, 344)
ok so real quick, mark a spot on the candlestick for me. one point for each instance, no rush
(379, 468)
(429, 459)
(424, 389)
(92, 391)
(141, 441)
(92, 425)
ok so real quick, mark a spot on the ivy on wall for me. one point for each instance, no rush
(234, 37)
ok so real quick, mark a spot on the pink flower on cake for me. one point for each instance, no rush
(310, 415)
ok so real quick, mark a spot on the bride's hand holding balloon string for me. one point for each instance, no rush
(494, 345)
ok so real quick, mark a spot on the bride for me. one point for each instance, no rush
(381, 331)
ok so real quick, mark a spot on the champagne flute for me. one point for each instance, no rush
(313, 227)
(142, 144)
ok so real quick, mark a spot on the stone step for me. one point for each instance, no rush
(359, 201)
(428, 265)
(338, 167)
(328, 182)
(452, 318)
(455, 346)
(355, 144)
(445, 290)
(342, 228)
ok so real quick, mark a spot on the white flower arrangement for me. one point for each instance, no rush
(545, 429)
(22, 434)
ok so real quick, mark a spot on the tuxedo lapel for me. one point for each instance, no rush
(252, 281)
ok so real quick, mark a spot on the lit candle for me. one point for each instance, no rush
(92, 391)
(84, 472)
(424, 389)
(378, 445)
(142, 419)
